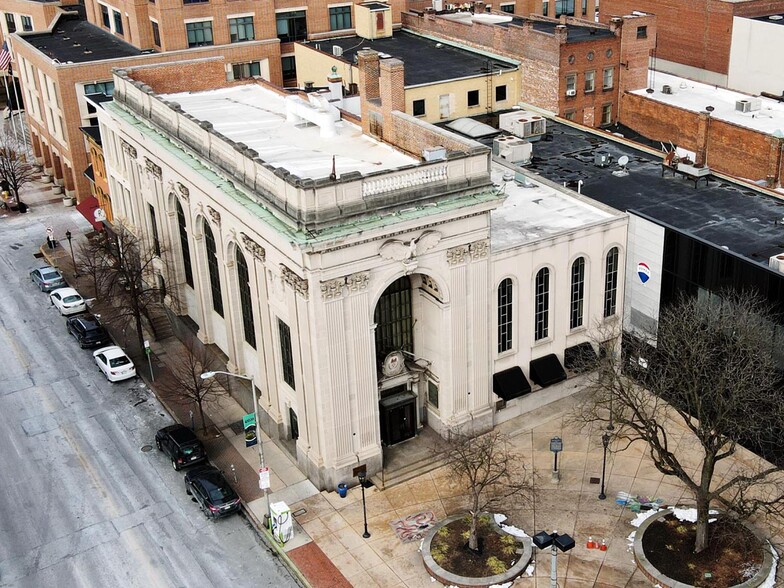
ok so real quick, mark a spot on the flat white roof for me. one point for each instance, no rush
(695, 96)
(534, 213)
(256, 116)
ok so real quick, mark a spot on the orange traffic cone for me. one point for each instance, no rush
(603, 546)
(591, 543)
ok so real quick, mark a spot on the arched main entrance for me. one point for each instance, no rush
(408, 318)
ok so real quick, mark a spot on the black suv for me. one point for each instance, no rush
(211, 491)
(88, 331)
(181, 445)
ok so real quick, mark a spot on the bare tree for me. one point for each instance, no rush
(490, 470)
(124, 277)
(15, 170)
(710, 368)
(186, 386)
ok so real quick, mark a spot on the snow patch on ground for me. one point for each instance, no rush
(689, 515)
(504, 585)
(641, 517)
(512, 530)
(530, 569)
(770, 581)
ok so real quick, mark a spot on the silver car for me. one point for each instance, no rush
(47, 278)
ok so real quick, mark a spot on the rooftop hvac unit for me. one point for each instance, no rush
(438, 5)
(516, 150)
(749, 105)
(523, 124)
(337, 50)
(434, 153)
(666, 89)
(776, 263)
(601, 159)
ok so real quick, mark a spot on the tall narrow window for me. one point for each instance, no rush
(611, 282)
(286, 355)
(505, 315)
(246, 302)
(10, 22)
(577, 293)
(156, 242)
(156, 33)
(184, 245)
(542, 304)
(393, 319)
(212, 266)
(105, 19)
(27, 23)
(118, 25)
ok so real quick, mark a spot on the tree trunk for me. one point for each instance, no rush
(703, 510)
(473, 542)
(203, 422)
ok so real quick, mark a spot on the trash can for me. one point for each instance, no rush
(342, 490)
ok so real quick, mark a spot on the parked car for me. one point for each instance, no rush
(181, 445)
(47, 278)
(114, 364)
(88, 331)
(211, 491)
(68, 301)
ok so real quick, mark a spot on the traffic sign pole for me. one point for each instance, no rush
(148, 352)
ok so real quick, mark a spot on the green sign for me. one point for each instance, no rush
(249, 424)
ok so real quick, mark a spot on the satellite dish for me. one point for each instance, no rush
(623, 160)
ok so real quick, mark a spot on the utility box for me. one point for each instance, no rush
(282, 523)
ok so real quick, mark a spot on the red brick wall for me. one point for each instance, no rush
(194, 76)
(587, 106)
(696, 33)
(729, 148)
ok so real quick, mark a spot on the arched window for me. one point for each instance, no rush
(186, 249)
(542, 304)
(505, 315)
(393, 319)
(212, 266)
(577, 293)
(243, 280)
(611, 282)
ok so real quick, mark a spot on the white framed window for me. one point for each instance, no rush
(607, 78)
(571, 84)
(590, 81)
(542, 304)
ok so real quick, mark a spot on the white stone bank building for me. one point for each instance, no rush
(370, 289)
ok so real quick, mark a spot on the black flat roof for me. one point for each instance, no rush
(426, 61)
(75, 40)
(574, 33)
(771, 18)
(729, 215)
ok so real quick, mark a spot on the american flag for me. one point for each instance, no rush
(5, 56)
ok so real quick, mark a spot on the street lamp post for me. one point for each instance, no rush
(605, 445)
(556, 542)
(211, 374)
(362, 475)
(73, 259)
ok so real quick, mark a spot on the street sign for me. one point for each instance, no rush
(50, 231)
(556, 444)
(264, 478)
(147, 348)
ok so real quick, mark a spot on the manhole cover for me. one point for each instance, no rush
(146, 448)
(594, 480)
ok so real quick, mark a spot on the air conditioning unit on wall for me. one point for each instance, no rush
(571, 92)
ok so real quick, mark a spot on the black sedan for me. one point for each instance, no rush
(88, 331)
(211, 491)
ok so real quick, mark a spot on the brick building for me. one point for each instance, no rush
(584, 9)
(694, 37)
(569, 67)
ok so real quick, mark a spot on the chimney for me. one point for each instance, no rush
(701, 147)
(616, 22)
(335, 85)
(561, 33)
(367, 61)
(392, 90)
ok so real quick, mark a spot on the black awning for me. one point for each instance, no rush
(510, 383)
(90, 173)
(547, 371)
(580, 358)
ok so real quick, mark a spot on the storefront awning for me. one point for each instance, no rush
(510, 383)
(87, 207)
(547, 371)
(580, 358)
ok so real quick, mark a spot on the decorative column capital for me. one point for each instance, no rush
(300, 285)
(153, 168)
(254, 248)
(332, 289)
(457, 255)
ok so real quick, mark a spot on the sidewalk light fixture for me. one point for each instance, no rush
(212, 374)
(555, 542)
(605, 445)
(362, 476)
(73, 259)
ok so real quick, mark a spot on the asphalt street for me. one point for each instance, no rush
(80, 503)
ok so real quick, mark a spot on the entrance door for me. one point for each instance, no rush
(398, 418)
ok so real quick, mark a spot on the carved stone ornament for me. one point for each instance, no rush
(430, 286)
(128, 148)
(479, 249)
(300, 285)
(406, 251)
(333, 289)
(184, 192)
(214, 215)
(358, 281)
(457, 255)
(153, 168)
(254, 248)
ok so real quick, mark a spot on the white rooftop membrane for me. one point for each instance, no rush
(255, 116)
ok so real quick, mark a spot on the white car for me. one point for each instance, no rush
(68, 301)
(114, 364)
